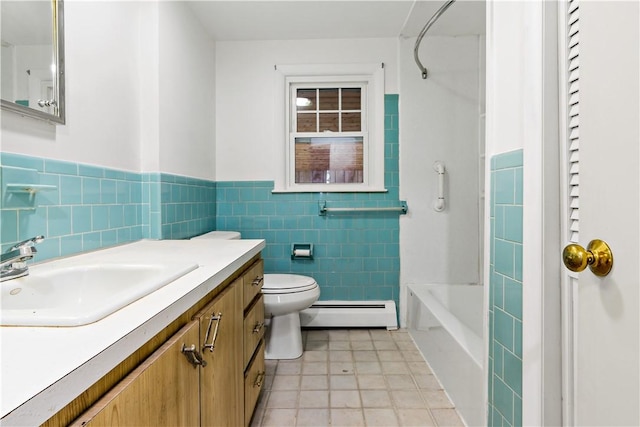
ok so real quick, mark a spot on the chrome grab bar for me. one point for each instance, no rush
(403, 208)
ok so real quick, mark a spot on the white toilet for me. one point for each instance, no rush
(285, 295)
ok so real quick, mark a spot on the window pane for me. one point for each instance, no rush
(329, 160)
(351, 122)
(306, 99)
(328, 99)
(306, 122)
(351, 98)
(329, 121)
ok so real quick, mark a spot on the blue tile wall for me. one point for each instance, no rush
(187, 206)
(356, 256)
(90, 207)
(505, 288)
(93, 207)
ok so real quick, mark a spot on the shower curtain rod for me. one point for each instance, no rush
(428, 25)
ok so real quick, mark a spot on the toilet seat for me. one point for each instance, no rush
(287, 284)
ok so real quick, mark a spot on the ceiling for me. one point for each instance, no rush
(329, 19)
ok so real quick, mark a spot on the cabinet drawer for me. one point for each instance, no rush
(253, 382)
(253, 328)
(253, 280)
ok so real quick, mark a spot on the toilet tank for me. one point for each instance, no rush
(220, 235)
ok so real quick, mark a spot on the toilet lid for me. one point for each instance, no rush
(287, 283)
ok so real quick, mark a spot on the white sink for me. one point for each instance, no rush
(77, 295)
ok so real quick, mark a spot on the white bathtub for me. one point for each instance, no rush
(446, 323)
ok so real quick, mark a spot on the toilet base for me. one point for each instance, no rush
(284, 337)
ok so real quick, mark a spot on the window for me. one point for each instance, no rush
(334, 129)
(328, 133)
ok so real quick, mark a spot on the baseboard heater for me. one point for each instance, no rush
(350, 314)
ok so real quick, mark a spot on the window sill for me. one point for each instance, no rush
(329, 190)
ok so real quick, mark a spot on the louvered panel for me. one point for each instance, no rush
(574, 110)
(574, 40)
(574, 135)
(573, 29)
(573, 122)
(575, 144)
(574, 87)
(574, 157)
(573, 6)
(573, 116)
(573, 99)
(573, 52)
(575, 168)
(574, 75)
(574, 63)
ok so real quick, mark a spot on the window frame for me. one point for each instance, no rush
(368, 76)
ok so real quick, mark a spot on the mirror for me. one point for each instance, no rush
(32, 35)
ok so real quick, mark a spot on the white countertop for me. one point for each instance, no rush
(45, 368)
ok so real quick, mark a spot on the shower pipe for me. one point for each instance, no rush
(428, 25)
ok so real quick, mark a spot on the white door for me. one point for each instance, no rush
(606, 351)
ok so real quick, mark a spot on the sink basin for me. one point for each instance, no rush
(79, 295)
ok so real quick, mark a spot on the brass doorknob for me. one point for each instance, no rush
(597, 256)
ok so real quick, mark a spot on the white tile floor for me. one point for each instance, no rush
(354, 377)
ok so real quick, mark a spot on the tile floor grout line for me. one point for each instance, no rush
(403, 405)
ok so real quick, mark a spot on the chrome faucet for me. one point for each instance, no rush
(13, 263)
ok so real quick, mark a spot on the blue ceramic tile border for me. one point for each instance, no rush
(505, 301)
(94, 207)
(187, 207)
(91, 207)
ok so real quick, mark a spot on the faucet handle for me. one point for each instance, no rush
(27, 243)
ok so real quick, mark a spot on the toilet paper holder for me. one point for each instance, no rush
(302, 251)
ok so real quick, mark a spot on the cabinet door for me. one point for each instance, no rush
(221, 380)
(162, 391)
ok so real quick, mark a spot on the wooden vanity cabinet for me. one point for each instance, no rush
(216, 384)
(162, 391)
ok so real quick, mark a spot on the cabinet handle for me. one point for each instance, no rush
(258, 327)
(212, 344)
(259, 379)
(193, 356)
(257, 281)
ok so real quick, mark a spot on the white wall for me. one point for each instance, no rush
(139, 92)
(439, 120)
(246, 146)
(101, 92)
(187, 93)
